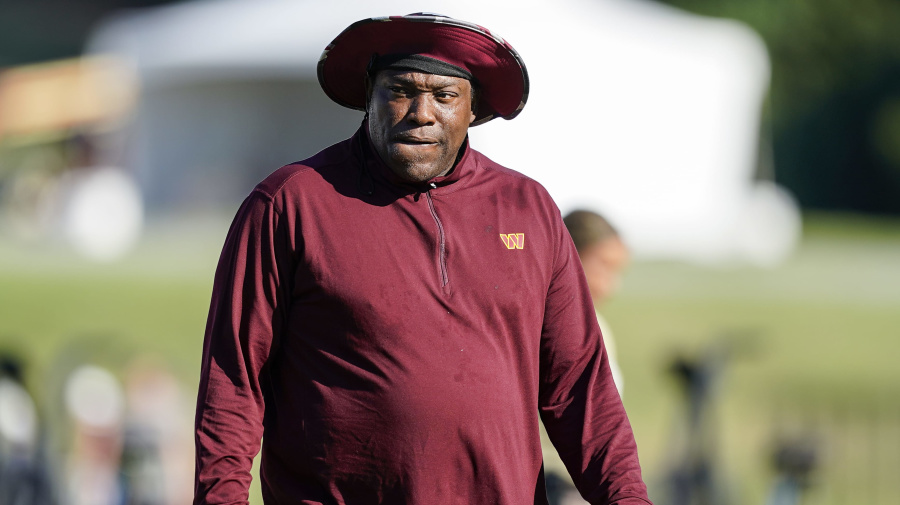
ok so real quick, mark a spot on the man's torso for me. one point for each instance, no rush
(410, 358)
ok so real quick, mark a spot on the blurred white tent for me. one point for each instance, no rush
(641, 112)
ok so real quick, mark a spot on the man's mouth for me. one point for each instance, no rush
(413, 140)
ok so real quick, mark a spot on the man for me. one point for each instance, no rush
(603, 256)
(393, 315)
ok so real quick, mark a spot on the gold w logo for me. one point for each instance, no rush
(513, 240)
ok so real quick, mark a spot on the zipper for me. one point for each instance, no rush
(443, 259)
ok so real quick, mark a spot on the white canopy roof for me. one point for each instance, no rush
(646, 114)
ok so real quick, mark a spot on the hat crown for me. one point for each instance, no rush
(493, 63)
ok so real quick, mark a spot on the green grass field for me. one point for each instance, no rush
(822, 362)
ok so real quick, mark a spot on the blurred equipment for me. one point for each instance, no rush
(562, 492)
(794, 462)
(695, 478)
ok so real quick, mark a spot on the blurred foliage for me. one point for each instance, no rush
(832, 116)
(818, 47)
(40, 30)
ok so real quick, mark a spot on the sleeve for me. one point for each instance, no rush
(579, 404)
(246, 313)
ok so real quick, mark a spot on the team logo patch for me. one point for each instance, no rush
(513, 240)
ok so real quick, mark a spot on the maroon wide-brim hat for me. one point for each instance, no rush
(495, 67)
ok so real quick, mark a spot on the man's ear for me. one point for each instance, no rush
(474, 93)
(368, 91)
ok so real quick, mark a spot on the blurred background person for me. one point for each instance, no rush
(158, 451)
(98, 207)
(604, 256)
(95, 403)
(24, 479)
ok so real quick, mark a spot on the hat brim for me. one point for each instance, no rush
(493, 63)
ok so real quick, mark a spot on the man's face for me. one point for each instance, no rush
(417, 122)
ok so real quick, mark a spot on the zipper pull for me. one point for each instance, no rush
(433, 185)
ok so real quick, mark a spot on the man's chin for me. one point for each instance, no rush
(415, 170)
(415, 173)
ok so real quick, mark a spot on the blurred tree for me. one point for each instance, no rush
(833, 113)
(40, 30)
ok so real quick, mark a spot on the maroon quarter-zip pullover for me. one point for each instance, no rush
(401, 347)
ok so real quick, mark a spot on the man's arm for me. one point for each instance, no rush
(245, 313)
(579, 404)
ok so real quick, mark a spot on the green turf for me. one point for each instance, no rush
(820, 347)
(825, 329)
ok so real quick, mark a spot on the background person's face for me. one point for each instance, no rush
(417, 122)
(603, 263)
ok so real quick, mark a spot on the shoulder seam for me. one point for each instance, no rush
(303, 168)
(508, 171)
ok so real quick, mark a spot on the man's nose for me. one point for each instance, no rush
(421, 110)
